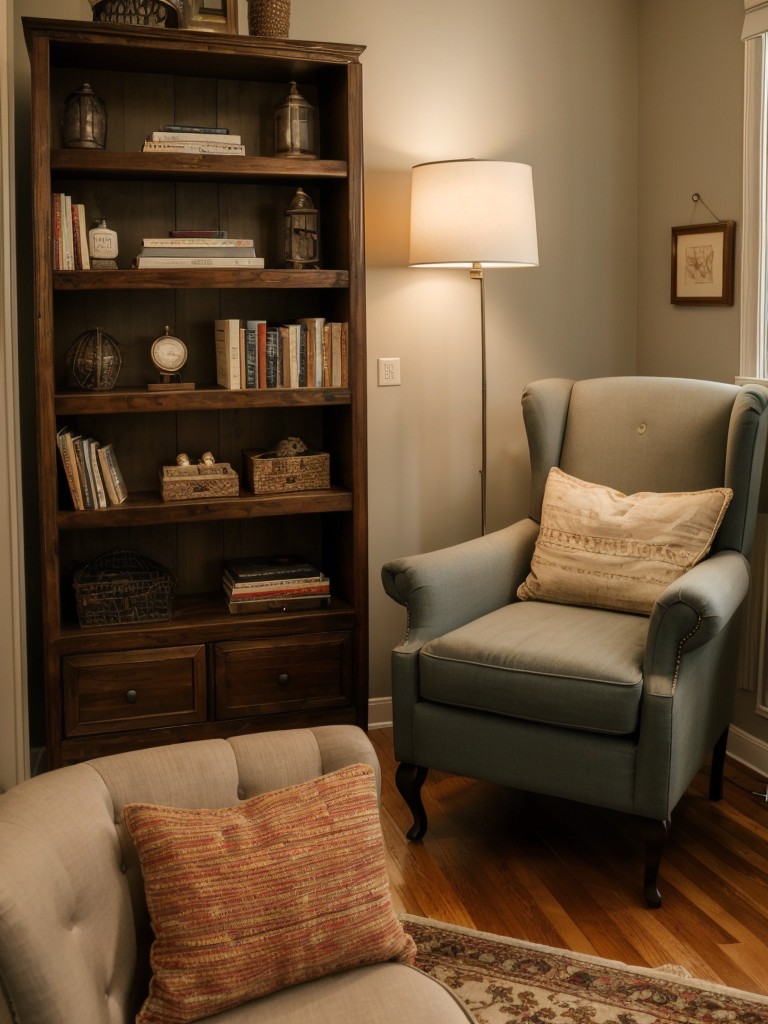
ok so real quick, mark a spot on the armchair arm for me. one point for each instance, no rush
(444, 589)
(691, 612)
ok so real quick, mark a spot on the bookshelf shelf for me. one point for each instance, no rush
(148, 509)
(212, 397)
(103, 164)
(214, 278)
(147, 78)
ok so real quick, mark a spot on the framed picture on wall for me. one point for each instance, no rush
(703, 264)
(211, 15)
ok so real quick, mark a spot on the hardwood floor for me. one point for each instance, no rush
(566, 875)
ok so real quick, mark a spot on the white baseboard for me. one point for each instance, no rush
(379, 712)
(748, 750)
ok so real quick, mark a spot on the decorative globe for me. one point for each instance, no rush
(94, 361)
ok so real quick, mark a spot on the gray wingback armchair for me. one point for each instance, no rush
(607, 708)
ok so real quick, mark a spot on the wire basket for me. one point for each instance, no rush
(122, 586)
(160, 13)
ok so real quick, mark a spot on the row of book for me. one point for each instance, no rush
(91, 471)
(179, 138)
(274, 583)
(312, 352)
(70, 234)
(197, 251)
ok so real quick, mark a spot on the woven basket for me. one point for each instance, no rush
(122, 586)
(270, 474)
(161, 13)
(269, 17)
(182, 483)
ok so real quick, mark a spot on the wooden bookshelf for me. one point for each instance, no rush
(149, 77)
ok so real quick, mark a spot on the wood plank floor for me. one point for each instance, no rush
(566, 875)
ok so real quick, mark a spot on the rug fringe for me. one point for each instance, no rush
(664, 971)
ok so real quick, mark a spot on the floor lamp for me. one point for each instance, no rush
(474, 214)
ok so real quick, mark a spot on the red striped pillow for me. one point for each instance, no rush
(285, 887)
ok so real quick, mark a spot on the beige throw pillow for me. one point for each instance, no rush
(285, 887)
(604, 549)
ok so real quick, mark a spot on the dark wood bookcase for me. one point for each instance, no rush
(206, 672)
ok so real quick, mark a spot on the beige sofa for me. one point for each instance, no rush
(74, 930)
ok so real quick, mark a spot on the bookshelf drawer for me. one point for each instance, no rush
(126, 690)
(267, 677)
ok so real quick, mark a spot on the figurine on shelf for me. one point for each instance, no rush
(102, 247)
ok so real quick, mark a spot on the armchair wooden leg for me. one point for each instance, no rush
(718, 767)
(654, 833)
(409, 779)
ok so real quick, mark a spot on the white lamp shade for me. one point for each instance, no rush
(473, 211)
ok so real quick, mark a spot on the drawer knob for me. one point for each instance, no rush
(130, 696)
(283, 679)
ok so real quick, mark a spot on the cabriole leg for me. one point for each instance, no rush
(718, 767)
(654, 833)
(409, 779)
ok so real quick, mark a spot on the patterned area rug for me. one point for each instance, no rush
(506, 981)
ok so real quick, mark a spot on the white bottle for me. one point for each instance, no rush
(102, 243)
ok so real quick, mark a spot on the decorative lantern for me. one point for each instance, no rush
(160, 13)
(302, 233)
(296, 132)
(84, 125)
(94, 361)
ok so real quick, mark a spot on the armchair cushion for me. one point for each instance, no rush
(601, 548)
(508, 663)
(285, 887)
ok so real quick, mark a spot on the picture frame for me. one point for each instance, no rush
(211, 16)
(703, 264)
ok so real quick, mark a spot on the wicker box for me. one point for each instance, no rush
(273, 474)
(182, 483)
(122, 586)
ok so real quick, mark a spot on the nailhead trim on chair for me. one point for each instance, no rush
(680, 647)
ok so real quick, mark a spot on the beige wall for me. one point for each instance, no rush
(13, 720)
(691, 83)
(551, 84)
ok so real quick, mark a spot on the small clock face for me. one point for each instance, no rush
(169, 354)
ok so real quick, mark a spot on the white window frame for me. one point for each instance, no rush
(754, 261)
(754, 319)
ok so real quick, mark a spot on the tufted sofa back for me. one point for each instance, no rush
(74, 929)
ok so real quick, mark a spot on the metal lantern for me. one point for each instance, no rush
(94, 361)
(296, 132)
(84, 125)
(302, 233)
(160, 13)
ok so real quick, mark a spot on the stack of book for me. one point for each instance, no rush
(197, 251)
(70, 235)
(274, 583)
(312, 352)
(184, 138)
(91, 471)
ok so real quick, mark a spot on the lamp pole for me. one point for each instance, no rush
(477, 273)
